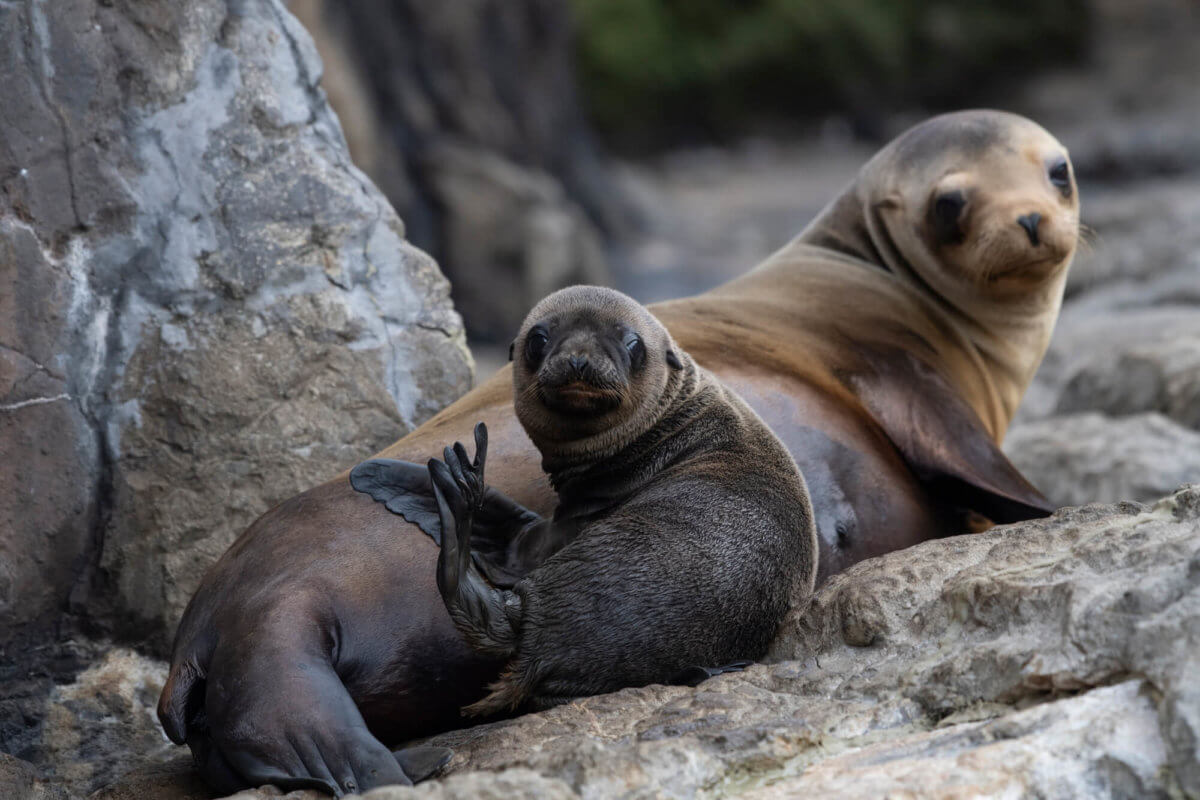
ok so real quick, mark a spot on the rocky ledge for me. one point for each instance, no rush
(1055, 658)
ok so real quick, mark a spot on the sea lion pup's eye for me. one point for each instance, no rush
(944, 216)
(1060, 175)
(535, 346)
(637, 350)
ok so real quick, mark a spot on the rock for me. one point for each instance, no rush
(1105, 743)
(206, 307)
(84, 731)
(512, 236)
(1161, 375)
(175, 779)
(467, 116)
(1136, 233)
(104, 722)
(19, 781)
(1092, 458)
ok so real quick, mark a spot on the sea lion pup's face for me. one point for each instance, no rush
(590, 364)
(988, 202)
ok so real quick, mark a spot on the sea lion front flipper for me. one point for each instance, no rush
(481, 612)
(404, 488)
(943, 441)
(421, 763)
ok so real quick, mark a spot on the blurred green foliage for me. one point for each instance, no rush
(654, 71)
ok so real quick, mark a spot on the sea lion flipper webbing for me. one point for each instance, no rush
(403, 487)
(503, 532)
(696, 674)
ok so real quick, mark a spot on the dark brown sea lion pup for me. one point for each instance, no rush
(683, 528)
(887, 347)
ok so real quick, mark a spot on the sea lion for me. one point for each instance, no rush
(887, 347)
(677, 507)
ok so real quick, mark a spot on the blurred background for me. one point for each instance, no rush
(665, 146)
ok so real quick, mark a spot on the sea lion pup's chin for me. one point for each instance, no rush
(592, 369)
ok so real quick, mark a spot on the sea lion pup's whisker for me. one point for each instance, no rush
(674, 492)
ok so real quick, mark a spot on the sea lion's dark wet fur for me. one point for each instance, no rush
(692, 525)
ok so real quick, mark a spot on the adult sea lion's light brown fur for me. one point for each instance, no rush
(887, 347)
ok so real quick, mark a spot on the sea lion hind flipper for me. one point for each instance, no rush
(944, 442)
(304, 731)
(423, 762)
(403, 487)
(182, 698)
(482, 613)
(696, 674)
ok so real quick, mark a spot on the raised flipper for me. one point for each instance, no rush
(507, 539)
(483, 613)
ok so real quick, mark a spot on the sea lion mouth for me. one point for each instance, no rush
(1035, 268)
(581, 398)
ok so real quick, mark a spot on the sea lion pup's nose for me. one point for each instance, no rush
(578, 362)
(1030, 223)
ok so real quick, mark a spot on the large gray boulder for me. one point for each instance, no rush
(204, 306)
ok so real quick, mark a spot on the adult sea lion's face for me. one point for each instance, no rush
(587, 360)
(992, 198)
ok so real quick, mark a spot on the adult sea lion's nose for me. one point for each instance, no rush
(1030, 223)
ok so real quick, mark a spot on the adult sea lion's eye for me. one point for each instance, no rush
(945, 213)
(1060, 176)
(535, 346)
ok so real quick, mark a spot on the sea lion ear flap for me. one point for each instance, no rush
(943, 441)
(511, 345)
(673, 360)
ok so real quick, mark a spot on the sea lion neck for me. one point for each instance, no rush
(610, 465)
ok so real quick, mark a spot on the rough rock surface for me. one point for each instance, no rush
(1054, 658)
(466, 115)
(1090, 457)
(204, 306)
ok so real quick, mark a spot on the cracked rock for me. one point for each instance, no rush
(204, 306)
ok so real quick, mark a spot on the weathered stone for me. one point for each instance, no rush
(19, 781)
(1157, 376)
(1092, 458)
(103, 723)
(205, 309)
(467, 117)
(176, 779)
(512, 236)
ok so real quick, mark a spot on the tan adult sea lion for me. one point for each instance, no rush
(887, 347)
